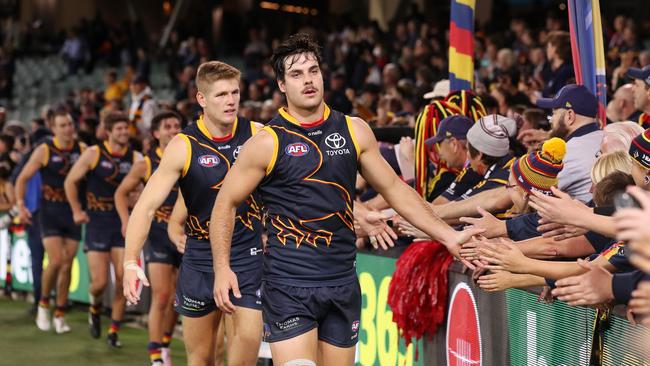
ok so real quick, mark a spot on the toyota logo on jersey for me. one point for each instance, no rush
(335, 141)
(208, 161)
(297, 149)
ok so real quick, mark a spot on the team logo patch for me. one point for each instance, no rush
(235, 153)
(355, 326)
(106, 164)
(335, 141)
(125, 167)
(57, 159)
(208, 161)
(297, 149)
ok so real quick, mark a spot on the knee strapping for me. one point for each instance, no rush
(300, 362)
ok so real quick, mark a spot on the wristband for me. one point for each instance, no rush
(129, 264)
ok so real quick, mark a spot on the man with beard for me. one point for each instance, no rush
(573, 120)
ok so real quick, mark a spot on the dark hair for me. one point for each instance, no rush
(40, 122)
(8, 140)
(561, 40)
(609, 186)
(114, 118)
(158, 118)
(536, 117)
(295, 45)
(91, 122)
(490, 103)
(486, 159)
(516, 147)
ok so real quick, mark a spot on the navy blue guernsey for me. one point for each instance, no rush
(308, 196)
(209, 160)
(105, 175)
(152, 159)
(54, 169)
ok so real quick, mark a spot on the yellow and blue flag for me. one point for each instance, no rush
(461, 45)
(587, 48)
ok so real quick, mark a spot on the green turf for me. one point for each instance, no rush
(21, 343)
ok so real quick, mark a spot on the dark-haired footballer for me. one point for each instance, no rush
(304, 164)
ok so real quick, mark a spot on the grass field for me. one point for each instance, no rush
(21, 343)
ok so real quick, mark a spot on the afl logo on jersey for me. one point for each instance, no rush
(297, 149)
(208, 161)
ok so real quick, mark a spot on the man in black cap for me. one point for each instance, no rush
(452, 148)
(574, 120)
(641, 94)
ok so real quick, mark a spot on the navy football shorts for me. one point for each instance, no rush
(58, 222)
(160, 249)
(194, 291)
(103, 234)
(290, 311)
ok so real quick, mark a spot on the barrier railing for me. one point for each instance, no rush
(506, 328)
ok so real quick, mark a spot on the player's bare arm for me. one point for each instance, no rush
(241, 181)
(71, 183)
(35, 162)
(153, 195)
(492, 200)
(398, 194)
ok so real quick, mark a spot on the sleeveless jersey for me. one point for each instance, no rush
(105, 175)
(165, 210)
(308, 196)
(208, 161)
(55, 168)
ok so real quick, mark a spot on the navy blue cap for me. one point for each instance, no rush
(642, 74)
(572, 96)
(452, 126)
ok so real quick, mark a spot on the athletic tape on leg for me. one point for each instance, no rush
(300, 362)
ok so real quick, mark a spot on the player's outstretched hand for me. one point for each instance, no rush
(375, 225)
(225, 280)
(132, 273)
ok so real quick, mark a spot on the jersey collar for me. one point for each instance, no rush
(204, 130)
(285, 114)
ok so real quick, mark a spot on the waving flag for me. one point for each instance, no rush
(461, 45)
(587, 47)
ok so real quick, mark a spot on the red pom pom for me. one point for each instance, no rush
(418, 290)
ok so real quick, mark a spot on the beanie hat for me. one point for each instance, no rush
(640, 149)
(490, 134)
(538, 170)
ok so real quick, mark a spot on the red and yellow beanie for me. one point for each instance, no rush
(538, 170)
